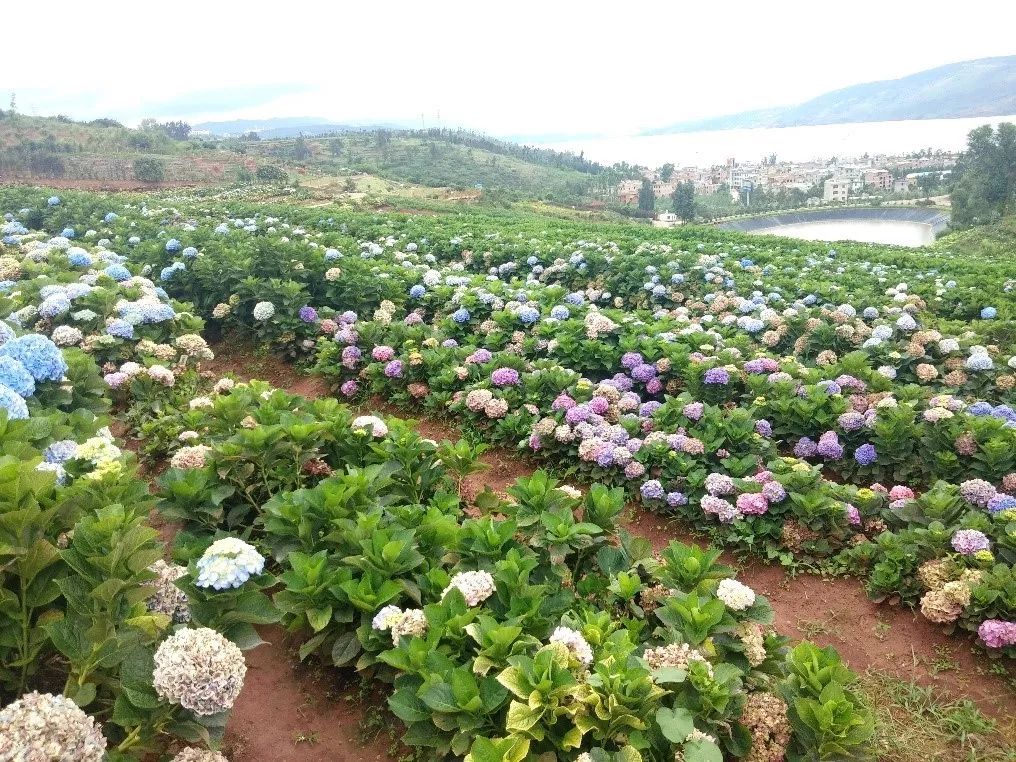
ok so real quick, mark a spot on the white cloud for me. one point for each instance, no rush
(518, 67)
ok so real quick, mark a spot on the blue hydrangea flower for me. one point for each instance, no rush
(989, 313)
(38, 354)
(190, 252)
(60, 451)
(120, 328)
(167, 273)
(15, 376)
(68, 233)
(79, 258)
(417, 291)
(57, 304)
(331, 254)
(173, 246)
(560, 312)
(575, 298)
(461, 315)
(528, 315)
(13, 404)
(53, 201)
(118, 272)
(110, 217)
(134, 240)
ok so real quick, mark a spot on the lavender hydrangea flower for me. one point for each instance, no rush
(652, 490)
(970, 541)
(805, 448)
(308, 314)
(717, 376)
(505, 377)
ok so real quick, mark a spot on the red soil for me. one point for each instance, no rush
(892, 639)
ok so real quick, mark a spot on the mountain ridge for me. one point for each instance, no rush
(981, 87)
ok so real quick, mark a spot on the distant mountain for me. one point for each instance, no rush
(287, 127)
(985, 87)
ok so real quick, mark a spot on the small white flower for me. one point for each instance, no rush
(735, 595)
(576, 644)
(475, 586)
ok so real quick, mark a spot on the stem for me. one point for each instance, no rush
(24, 636)
(130, 740)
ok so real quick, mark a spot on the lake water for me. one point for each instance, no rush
(705, 149)
(868, 231)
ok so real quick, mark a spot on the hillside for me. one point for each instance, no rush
(984, 87)
(445, 159)
(105, 154)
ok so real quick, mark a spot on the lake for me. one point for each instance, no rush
(868, 231)
(705, 149)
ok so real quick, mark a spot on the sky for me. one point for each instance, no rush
(553, 67)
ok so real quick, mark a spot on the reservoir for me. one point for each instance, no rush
(908, 226)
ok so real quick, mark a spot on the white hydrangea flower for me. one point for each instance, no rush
(576, 644)
(43, 727)
(735, 595)
(412, 622)
(228, 563)
(168, 599)
(263, 311)
(377, 427)
(200, 670)
(384, 619)
(475, 586)
(190, 754)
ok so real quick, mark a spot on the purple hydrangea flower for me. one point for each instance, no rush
(630, 360)
(394, 369)
(829, 446)
(805, 448)
(675, 499)
(308, 314)
(693, 410)
(505, 377)
(651, 490)
(763, 427)
(349, 388)
(643, 372)
(969, 541)
(717, 376)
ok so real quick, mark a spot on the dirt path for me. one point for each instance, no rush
(832, 612)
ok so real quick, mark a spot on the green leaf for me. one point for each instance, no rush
(319, 618)
(345, 648)
(675, 724)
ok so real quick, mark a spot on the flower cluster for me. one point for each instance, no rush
(228, 563)
(200, 670)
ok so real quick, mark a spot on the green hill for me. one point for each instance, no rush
(103, 152)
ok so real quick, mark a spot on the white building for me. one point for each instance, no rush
(837, 189)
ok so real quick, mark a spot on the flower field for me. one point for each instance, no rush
(846, 411)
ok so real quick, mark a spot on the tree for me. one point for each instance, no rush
(149, 170)
(301, 151)
(176, 130)
(647, 199)
(666, 172)
(251, 136)
(335, 146)
(985, 188)
(684, 201)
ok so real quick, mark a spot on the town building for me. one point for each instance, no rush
(837, 188)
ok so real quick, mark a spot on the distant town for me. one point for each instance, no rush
(744, 187)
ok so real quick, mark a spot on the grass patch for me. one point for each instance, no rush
(914, 723)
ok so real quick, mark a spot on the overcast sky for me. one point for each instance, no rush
(517, 67)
